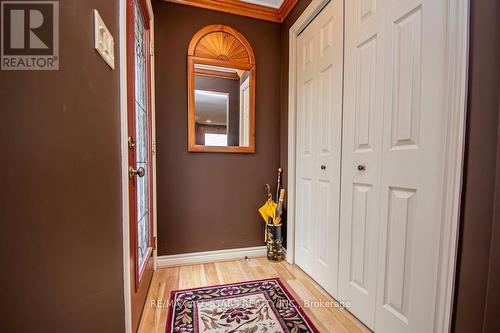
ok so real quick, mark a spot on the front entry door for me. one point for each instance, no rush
(319, 121)
(139, 144)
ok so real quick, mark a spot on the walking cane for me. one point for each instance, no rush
(278, 188)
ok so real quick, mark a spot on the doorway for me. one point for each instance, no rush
(385, 236)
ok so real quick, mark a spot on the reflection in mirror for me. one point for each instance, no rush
(222, 106)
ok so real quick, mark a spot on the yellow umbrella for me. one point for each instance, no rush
(268, 212)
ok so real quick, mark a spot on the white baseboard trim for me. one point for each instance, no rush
(210, 256)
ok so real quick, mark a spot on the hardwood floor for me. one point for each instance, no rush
(303, 288)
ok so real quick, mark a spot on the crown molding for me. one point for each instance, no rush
(285, 8)
(236, 7)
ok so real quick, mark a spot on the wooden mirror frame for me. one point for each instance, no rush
(243, 60)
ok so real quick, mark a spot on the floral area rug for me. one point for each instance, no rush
(263, 306)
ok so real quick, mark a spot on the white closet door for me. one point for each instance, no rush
(361, 157)
(319, 121)
(413, 166)
(394, 126)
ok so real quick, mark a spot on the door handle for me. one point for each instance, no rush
(131, 143)
(133, 172)
(361, 167)
(323, 167)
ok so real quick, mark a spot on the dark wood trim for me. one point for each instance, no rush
(219, 63)
(285, 8)
(236, 7)
(215, 28)
(149, 89)
(145, 13)
(216, 74)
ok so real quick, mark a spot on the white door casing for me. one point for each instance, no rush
(244, 113)
(319, 121)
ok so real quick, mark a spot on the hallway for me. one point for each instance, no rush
(138, 137)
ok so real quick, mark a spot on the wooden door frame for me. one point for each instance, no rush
(124, 101)
(456, 103)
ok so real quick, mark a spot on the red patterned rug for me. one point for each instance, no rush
(245, 307)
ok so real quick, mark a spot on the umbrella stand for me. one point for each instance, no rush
(274, 247)
(271, 213)
(273, 228)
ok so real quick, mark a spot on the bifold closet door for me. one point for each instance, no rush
(319, 122)
(394, 129)
(361, 157)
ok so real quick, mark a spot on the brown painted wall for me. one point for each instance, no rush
(478, 275)
(60, 202)
(210, 201)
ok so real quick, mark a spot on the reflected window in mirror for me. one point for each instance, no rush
(221, 90)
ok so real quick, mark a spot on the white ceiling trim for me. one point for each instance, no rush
(267, 3)
(215, 68)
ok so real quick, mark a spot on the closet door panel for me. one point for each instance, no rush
(319, 125)
(413, 166)
(361, 157)
(306, 148)
(329, 32)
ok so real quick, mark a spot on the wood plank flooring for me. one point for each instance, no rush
(303, 288)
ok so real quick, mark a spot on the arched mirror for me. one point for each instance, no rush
(221, 92)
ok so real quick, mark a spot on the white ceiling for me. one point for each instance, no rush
(268, 3)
